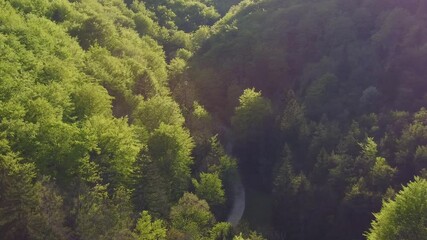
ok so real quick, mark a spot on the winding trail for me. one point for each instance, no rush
(239, 193)
(239, 202)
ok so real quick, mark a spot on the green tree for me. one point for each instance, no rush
(95, 30)
(100, 216)
(210, 188)
(403, 218)
(157, 110)
(152, 188)
(217, 159)
(170, 146)
(293, 122)
(192, 217)
(18, 195)
(200, 124)
(90, 100)
(49, 220)
(382, 174)
(29, 209)
(251, 114)
(409, 154)
(113, 146)
(250, 236)
(221, 231)
(146, 229)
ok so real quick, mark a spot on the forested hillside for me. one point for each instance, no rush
(134, 119)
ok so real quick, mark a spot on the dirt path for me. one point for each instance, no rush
(239, 202)
(239, 194)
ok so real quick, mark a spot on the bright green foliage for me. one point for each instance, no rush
(367, 165)
(210, 188)
(177, 67)
(200, 36)
(251, 113)
(220, 231)
(89, 171)
(410, 144)
(109, 69)
(126, 73)
(170, 148)
(222, 169)
(90, 100)
(403, 218)
(200, 112)
(381, 173)
(39, 71)
(251, 236)
(186, 15)
(158, 110)
(255, 236)
(144, 25)
(40, 135)
(218, 160)
(146, 229)
(192, 217)
(113, 146)
(119, 58)
(369, 148)
(200, 124)
(68, 71)
(238, 237)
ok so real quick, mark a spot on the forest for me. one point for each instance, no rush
(213, 119)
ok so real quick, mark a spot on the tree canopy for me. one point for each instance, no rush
(404, 217)
(157, 119)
